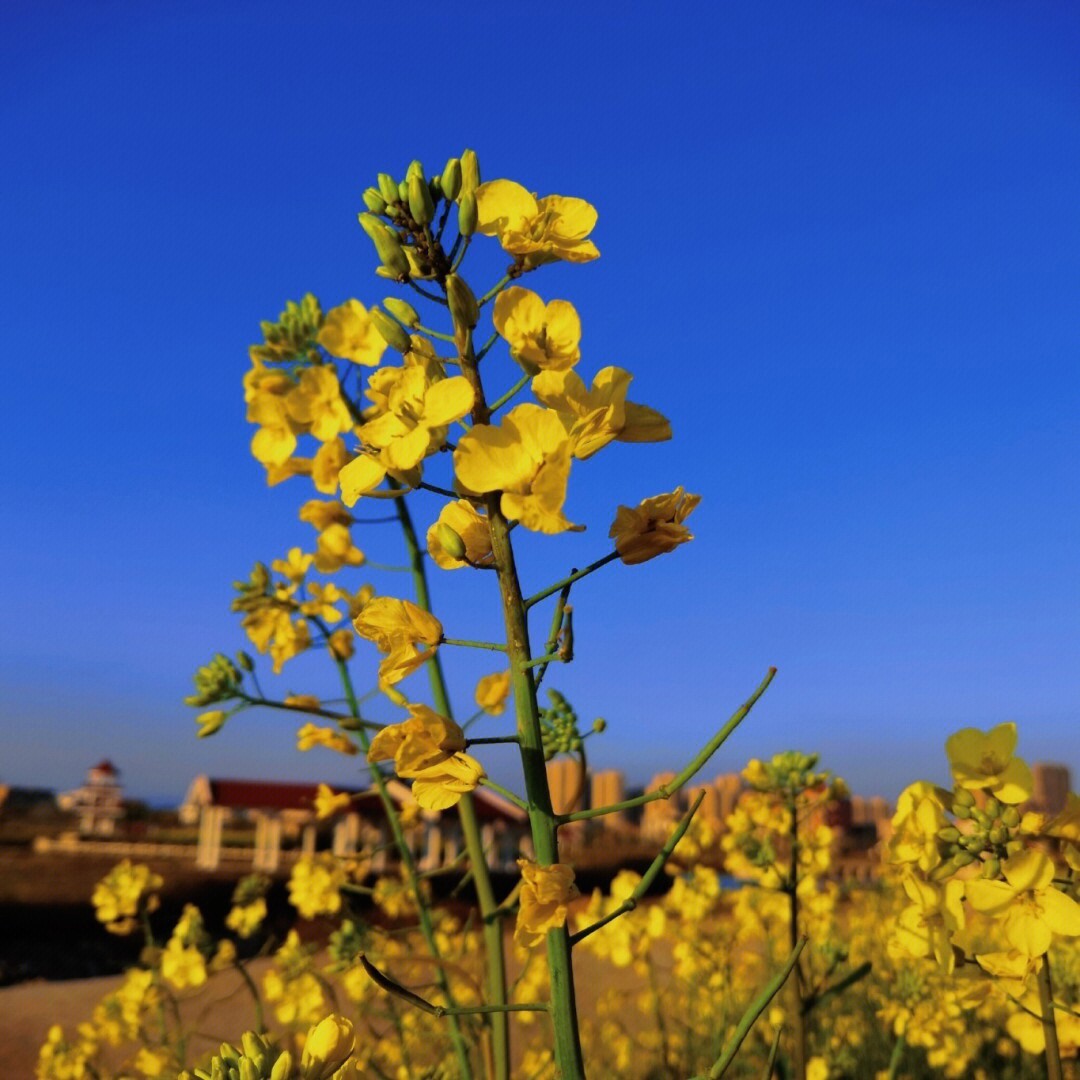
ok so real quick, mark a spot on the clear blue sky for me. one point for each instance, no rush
(841, 250)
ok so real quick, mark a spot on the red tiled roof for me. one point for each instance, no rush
(105, 766)
(263, 795)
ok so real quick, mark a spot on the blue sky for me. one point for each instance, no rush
(841, 250)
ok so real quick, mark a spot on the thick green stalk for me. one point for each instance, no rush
(457, 1039)
(1049, 1023)
(498, 1021)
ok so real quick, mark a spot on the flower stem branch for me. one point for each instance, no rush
(575, 575)
(1049, 1023)
(508, 795)
(520, 385)
(757, 1007)
(700, 760)
(647, 878)
(326, 714)
(491, 646)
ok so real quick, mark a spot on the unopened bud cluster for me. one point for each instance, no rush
(986, 833)
(255, 1059)
(560, 727)
(292, 337)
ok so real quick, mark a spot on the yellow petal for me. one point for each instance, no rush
(501, 204)
(361, 475)
(447, 400)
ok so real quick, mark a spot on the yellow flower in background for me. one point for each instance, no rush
(527, 458)
(315, 885)
(546, 892)
(541, 336)
(398, 628)
(275, 440)
(123, 894)
(429, 750)
(183, 965)
(152, 1062)
(316, 403)
(1032, 909)
(322, 513)
(291, 638)
(328, 802)
(321, 601)
(311, 735)
(244, 919)
(925, 927)
(348, 333)
(536, 230)
(918, 818)
(595, 416)
(335, 549)
(472, 528)
(654, 527)
(303, 702)
(278, 474)
(492, 692)
(294, 566)
(327, 464)
(1066, 825)
(342, 644)
(984, 761)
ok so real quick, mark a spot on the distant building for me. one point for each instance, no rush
(99, 803)
(606, 790)
(660, 815)
(22, 802)
(1051, 784)
(568, 784)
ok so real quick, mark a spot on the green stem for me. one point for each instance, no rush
(260, 1023)
(491, 646)
(568, 1056)
(499, 402)
(575, 575)
(408, 863)
(756, 1008)
(508, 795)
(494, 290)
(325, 713)
(434, 333)
(491, 740)
(699, 761)
(1049, 1023)
(770, 1064)
(896, 1057)
(495, 959)
(648, 877)
(798, 1006)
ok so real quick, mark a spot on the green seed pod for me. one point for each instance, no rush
(470, 172)
(416, 168)
(463, 306)
(963, 797)
(450, 180)
(420, 204)
(374, 201)
(388, 187)
(1010, 817)
(450, 541)
(393, 333)
(403, 311)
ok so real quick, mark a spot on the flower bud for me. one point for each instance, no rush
(450, 181)
(992, 808)
(964, 797)
(403, 311)
(403, 190)
(228, 1053)
(416, 168)
(950, 834)
(374, 201)
(387, 245)
(210, 722)
(244, 661)
(463, 307)
(283, 1067)
(393, 333)
(961, 811)
(962, 859)
(388, 188)
(470, 172)
(329, 1045)
(1010, 817)
(450, 541)
(420, 203)
(248, 1071)
(254, 1048)
(599, 725)
(467, 214)
(991, 869)
(998, 835)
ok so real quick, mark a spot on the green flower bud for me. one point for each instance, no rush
(450, 541)
(450, 181)
(393, 333)
(963, 797)
(217, 1070)
(950, 834)
(991, 869)
(992, 809)
(470, 172)
(960, 811)
(463, 306)
(1010, 817)
(416, 168)
(387, 245)
(599, 725)
(248, 1071)
(403, 311)
(998, 835)
(388, 187)
(467, 214)
(244, 661)
(962, 859)
(403, 190)
(255, 1047)
(420, 203)
(228, 1053)
(374, 201)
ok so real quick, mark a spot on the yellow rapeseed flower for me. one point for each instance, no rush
(595, 416)
(527, 458)
(546, 892)
(315, 885)
(398, 628)
(121, 896)
(328, 802)
(654, 527)
(311, 735)
(335, 549)
(541, 336)
(317, 405)
(536, 230)
(492, 692)
(983, 760)
(322, 513)
(327, 464)
(348, 333)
